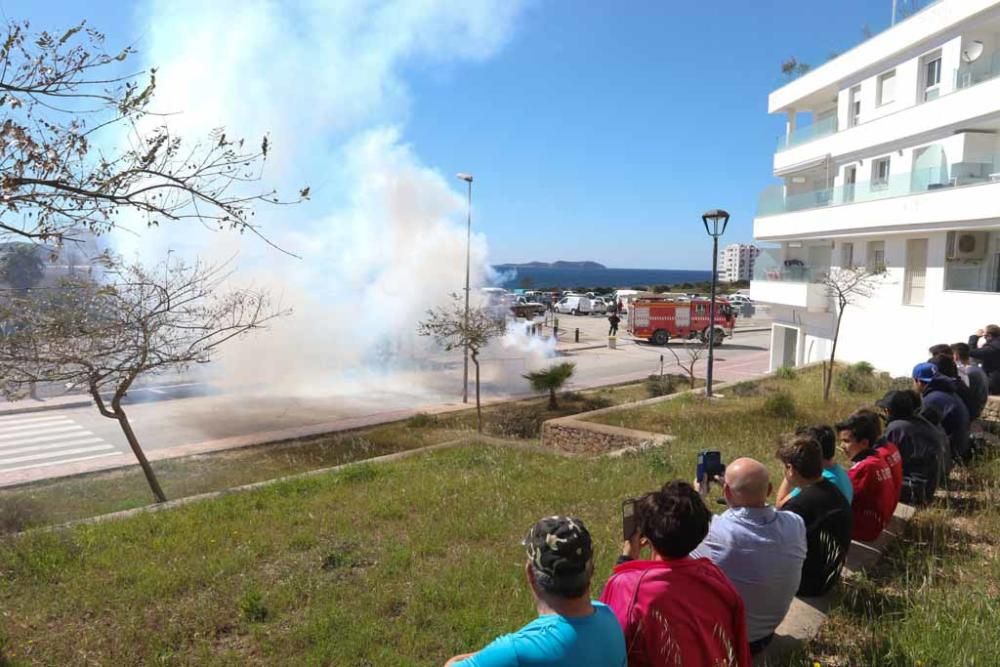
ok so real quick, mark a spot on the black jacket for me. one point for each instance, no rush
(940, 394)
(922, 447)
(988, 357)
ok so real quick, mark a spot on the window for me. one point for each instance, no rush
(915, 278)
(847, 255)
(876, 256)
(886, 91)
(854, 107)
(932, 76)
(880, 174)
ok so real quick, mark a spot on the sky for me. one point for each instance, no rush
(593, 133)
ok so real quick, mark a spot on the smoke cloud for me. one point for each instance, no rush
(383, 237)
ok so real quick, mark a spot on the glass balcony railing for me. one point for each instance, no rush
(984, 69)
(771, 266)
(818, 129)
(774, 200)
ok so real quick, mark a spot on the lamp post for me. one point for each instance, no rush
(715, 225)
(468, 245)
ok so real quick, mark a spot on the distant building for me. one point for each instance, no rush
(890, 161)
(736, 262)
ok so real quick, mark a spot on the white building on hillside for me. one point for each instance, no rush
(897, 165)
(736, 262)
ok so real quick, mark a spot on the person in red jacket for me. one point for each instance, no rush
(887, 449)
(875, 492)
(674, 609)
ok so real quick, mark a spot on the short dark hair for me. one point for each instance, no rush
(940, 348)
(946, 365)
(824, 435)
(863, 425)
(673, 519)
(564, 586)
(803, 452)
(992, 330)
(961, 351)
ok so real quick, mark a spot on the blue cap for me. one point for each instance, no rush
(925, 372)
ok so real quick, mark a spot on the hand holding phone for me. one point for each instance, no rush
(629, 524)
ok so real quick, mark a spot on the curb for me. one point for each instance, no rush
(46, 405)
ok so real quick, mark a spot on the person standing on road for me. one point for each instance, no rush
(613, 320)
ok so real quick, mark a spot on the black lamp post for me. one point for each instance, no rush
(715, 224)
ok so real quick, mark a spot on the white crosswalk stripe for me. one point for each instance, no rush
(40, 440)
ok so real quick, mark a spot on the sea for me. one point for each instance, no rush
(569, 278)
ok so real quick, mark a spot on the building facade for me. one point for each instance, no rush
(890, 161)
(736, 262)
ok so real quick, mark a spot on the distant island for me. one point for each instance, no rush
(588, 266)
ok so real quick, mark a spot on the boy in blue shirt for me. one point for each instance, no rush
(571, 629)
(833, 472)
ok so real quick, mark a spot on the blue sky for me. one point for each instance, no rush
(597, 133)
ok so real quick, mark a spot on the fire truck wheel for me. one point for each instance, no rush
(660, 337)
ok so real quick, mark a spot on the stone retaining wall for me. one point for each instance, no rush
(589, 439)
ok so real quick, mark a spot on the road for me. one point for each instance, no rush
(180, 419)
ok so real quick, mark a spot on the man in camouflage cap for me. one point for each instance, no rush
(571, 629)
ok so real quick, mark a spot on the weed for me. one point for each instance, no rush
(780, 405)
(422, 420)
(17, 514)
(785, 373)
(362, 472)
(746, 388)
(660, 385)
(252, 608)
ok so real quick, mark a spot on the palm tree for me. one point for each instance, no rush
(551, 379)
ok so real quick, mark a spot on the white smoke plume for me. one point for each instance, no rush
(383, 237)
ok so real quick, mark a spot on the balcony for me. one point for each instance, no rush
(788, 282)
(774, 200)
(820, 128)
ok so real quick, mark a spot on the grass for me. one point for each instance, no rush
(61, 500)
(411, 562)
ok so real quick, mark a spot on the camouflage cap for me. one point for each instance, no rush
(559, 546)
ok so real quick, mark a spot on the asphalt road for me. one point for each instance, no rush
(185, 417)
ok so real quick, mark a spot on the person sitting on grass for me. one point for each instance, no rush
(887, 449)
(823, 508)
(674, 609)
(938, 391)
(760, 549)
(979, 384)
(922, 445)
(833, 472)
(875, 495)
(571, 629)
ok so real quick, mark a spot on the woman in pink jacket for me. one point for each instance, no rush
(675, 610)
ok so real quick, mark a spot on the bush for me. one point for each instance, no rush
(660, 385)
(745, 388)
(596, 402)
(252, 607)
(901, 383)
(860, 378)
(17, 514)
(422, 420)
(780, 404)
(863, 367)
(516, 421)
(785, 373)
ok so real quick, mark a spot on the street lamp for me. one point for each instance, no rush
(468, 244)
(715, 225)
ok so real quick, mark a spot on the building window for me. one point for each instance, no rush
(880, 174)
(915, 277)
(876, 256)
(854, 107)
(932, 76)
(886, 90)
(972, 261)
(847, 255)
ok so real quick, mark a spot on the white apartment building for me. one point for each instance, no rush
(736, 262)
(896, 165)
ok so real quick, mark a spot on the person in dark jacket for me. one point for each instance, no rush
(988, 355)
(979, 383)
(946, 366)
(938, 391)
(922, 445)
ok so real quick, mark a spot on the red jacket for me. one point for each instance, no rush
(678, 613)
(889, 453)
(875, 495)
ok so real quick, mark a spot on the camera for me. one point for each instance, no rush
(710, 465)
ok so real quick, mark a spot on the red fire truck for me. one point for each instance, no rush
(660, 319)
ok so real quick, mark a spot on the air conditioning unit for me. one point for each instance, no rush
(966, 245)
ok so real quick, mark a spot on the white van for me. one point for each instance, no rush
(577, 305)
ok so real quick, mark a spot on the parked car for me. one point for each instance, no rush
(577, 305)
(598, 305)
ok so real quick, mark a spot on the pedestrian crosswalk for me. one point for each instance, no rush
(38, 440)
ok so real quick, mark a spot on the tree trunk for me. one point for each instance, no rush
(133, 442)
(833, 355)
(553, 405)
(479, 409)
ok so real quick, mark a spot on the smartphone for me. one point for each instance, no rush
(710, 465)
(628, 519)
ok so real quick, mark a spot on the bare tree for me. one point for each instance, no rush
(104, 334)
(61, 96)
(694, 350)
(449, 327)
(845, 287)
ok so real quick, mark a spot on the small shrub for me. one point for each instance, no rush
(745, 388)
(596, 402)
(572, 396)
(660, 385)
(786, 373)
(18, 514)
(780, 404)
(516, 421)
(863, 367)
(901, 383)
(860, 378)
(252, 608)
(422, 420)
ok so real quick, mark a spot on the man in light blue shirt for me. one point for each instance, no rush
(571, 629)
(833, 472)
(760, 549)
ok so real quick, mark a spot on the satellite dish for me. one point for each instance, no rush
(972, 52)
